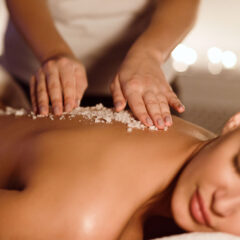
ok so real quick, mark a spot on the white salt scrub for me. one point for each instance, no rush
(101, 114)
(12, 111)
(98, 114)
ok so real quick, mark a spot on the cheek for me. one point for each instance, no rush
(209, 168)
(180, 203)
(198, 173)
(230, 225)
(206, 173)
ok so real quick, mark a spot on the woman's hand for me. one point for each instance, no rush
(141, 82)
(60, 80)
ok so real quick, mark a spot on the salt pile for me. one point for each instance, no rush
(12, 111)
(98, 114)
(101, 114)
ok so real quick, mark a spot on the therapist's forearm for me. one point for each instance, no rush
(170, 23)
(33, 20)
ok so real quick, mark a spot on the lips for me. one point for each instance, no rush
(198, 210)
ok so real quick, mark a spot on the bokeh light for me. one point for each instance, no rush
(215, 68)
(183, 57)
(180, 66)
(184, 54)
(190, 56)
(215, 55)
(179, 52)
(229, 59)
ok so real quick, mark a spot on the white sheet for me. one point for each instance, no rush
(200, 236)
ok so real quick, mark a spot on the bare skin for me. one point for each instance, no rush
(74, 180)
(140, 81)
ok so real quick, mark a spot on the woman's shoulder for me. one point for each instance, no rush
(191, 129)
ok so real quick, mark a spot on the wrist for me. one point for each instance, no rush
(56, 54)
(145, 47)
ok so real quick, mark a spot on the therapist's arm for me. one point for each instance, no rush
(32, 18)
(171, 22)
(59, 71)
(140, 80)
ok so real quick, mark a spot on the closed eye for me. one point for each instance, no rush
(236, 164)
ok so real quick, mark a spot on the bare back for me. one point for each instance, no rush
(80, 178)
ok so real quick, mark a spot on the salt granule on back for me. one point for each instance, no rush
(98, 114)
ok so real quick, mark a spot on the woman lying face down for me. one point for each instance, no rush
(78, 180)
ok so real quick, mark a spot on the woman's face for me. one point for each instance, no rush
(207, 195)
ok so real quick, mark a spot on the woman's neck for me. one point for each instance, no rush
(175, 151)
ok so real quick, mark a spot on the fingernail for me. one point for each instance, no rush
(56, 110)
(68, 108)
(181, 107)
(168, 120)
(42, 110)
(118, 105)
(160, 123)
(77, 102)
(149, 121)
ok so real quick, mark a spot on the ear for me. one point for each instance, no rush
(231, 124)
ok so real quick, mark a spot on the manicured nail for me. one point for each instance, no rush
(160, 123)
(68, 108)
(56, 110)
(149, 121)
(118, 105)
(168, 120)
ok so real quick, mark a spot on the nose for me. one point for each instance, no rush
(225, 203)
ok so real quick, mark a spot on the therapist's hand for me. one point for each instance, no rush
(61, 81)
(141, 83)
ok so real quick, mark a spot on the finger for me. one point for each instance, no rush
(118, 98)
(138, 108)
(81, 84)
(78, 89)
(55, 90)
(153, 109)
(33, 94)
(165, 110)
(175, 103)
(68, 82)
(232, 123)
(42, 95)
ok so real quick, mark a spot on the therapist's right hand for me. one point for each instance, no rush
(60, 81)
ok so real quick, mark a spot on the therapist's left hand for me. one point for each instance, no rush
(141, 83)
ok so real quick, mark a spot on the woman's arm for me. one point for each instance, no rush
(171, 22)
(140, 81)
(60, 71)
(33, 20)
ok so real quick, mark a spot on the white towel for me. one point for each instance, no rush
(201, 236)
